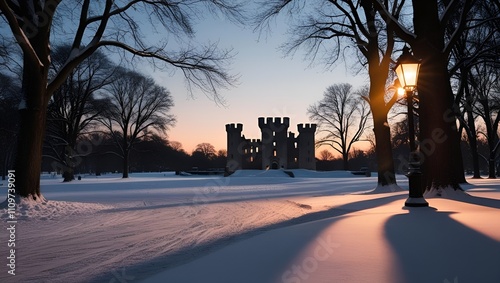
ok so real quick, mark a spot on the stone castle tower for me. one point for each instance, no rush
(277, 148)
(234, 140)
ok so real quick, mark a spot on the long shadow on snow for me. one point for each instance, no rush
(143, 270)
(488, 202)
(482, 201)
(469, 197)
(433, 247)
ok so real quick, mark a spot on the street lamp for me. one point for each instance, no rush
(407, 68)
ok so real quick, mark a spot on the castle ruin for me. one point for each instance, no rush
(277, 148)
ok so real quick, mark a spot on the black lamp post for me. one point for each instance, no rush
(407, 68)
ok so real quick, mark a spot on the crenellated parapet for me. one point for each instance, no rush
(234, 128)
(275, 124)
(306, 128)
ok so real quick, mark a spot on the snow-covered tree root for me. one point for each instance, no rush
(21, 208)
(23, 201)
(16, 206)
(383, 189)
(446, 192)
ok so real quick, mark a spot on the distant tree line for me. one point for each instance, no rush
(152, 154)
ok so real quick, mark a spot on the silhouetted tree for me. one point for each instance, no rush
(220, 160)
(487, 92)
(342, 117)
(137, 108)
(205, 156)
(325, 155)
(175, 145)
(358, 159)
(74, 108)
(206, 149)
(117, 25)
(477, 49)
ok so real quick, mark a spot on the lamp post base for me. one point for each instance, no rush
(416, 202)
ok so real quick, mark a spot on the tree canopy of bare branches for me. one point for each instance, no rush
(137, 109)
(342, 118)
(74, 107)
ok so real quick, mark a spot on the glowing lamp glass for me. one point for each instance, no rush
(407, 68)
(408, 74)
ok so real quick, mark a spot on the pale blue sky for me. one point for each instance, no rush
(269, 86)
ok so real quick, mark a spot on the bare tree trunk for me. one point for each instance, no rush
(68, 174)
(459, 169)
(382, 131)
(68, 165)
(491, 167)
(125, 160)
(472, 135)
(31, 132)
(383, 149)
(439, 140)
(491, 135)
(345, 161)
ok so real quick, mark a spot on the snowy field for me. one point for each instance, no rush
(255, 226)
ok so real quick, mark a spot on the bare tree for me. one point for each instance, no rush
(175, 145)
(137, 108)
(207, 150)
(74, 108)
(222, 153)
(342, 119)
(325, 155)
(115, 24)
(487, 91)
(476, 49)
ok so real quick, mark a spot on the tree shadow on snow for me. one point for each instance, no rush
(148, 268)
(481, 201)
(468, 197)
(433, 247)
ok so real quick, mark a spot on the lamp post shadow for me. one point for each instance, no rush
(430, 246)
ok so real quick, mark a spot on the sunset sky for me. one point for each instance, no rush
(270, 85)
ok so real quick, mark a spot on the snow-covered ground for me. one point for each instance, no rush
(255, 226)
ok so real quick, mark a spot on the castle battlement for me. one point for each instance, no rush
(306, 128)
(275, 123)
(234, 127)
